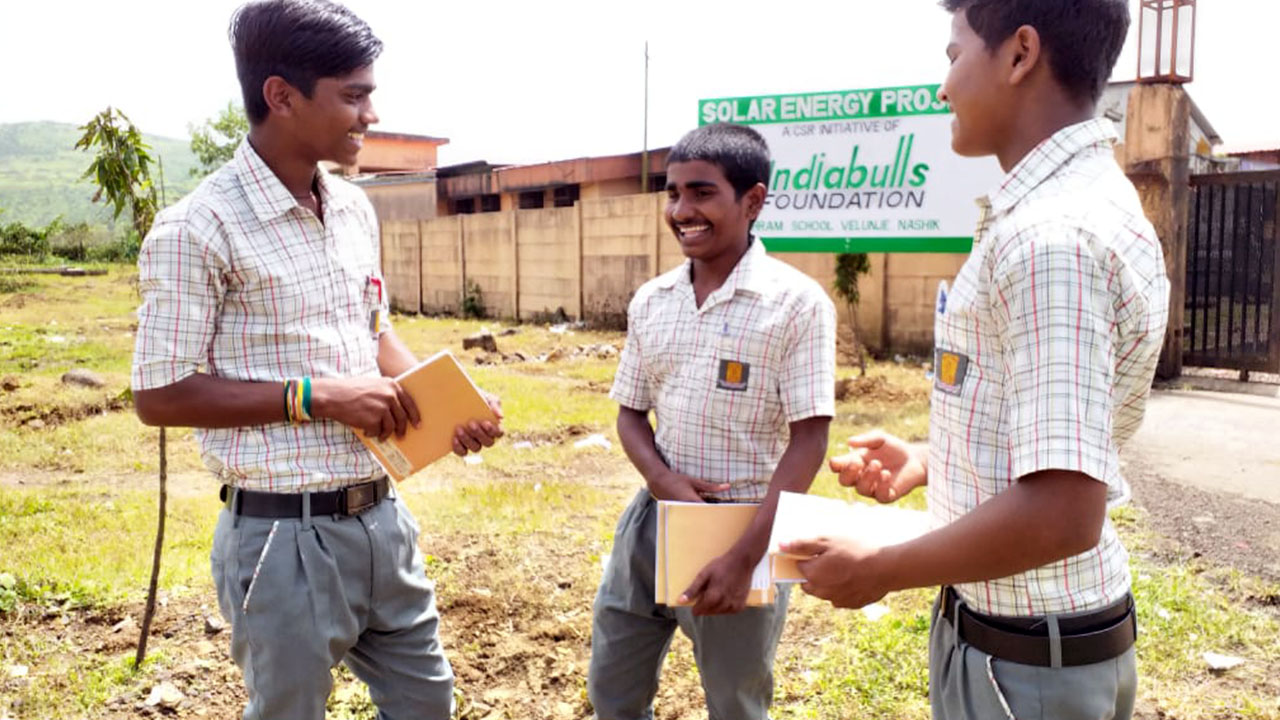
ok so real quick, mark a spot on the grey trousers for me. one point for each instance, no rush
(968, 684)
(302, 595)
(631, 634)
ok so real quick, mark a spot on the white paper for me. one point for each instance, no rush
(760, 576)
(806, 517)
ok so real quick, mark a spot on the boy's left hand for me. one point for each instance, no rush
(474, 435)
(843, 572)
(721, 588)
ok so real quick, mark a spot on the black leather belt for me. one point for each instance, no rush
(350, 500)
(1085, 639)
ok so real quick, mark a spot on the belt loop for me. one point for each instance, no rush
(306, 511)
(235, 507)
(1055, 641)
(955, 618)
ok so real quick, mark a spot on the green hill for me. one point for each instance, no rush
(40, 173)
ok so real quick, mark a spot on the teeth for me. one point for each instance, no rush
(355, 135)
(693, 229)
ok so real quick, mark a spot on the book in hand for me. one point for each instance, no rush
(446, 398)
(805, 517)
(690, 535)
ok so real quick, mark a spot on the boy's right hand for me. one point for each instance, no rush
(881, 466)
(377, 406)
(672, 485)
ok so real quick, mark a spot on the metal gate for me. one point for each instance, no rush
(1232, 295)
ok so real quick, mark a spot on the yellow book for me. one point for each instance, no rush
(690, 535)
(446, 398)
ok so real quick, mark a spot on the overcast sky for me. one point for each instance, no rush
(510, 81)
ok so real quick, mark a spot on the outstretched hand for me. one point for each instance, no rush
(881, 466)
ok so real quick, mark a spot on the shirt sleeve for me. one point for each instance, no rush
(181, 282)
(1052, 311)
(631, 386)
(808, 378)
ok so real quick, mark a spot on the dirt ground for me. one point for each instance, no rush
(518, 631)
(1206, 466)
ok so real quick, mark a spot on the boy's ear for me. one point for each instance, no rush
(279, 95)
(1025, 53)
(754, 200)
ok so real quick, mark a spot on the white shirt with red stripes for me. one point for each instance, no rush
(240, 281)
(725, 379)
(1045, 351)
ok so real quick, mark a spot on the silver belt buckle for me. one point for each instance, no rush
(358, 498)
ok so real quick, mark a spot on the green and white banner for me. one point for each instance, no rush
(862, 170)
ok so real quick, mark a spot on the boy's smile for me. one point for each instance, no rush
(973, 90)
(332, 122)
(704, 212)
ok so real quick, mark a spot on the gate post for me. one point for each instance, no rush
(1156, 149)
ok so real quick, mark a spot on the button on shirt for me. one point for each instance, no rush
(1046, 347)
(727, 378)
(240, 281)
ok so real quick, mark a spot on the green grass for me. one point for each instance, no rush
(861, 668)
(83, 547)
(81, 682)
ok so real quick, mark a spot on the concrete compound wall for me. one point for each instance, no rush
(590, 259)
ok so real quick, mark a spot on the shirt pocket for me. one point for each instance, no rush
(273, 298)
(740, 379)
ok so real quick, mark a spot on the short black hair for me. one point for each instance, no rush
(299, 40)
(1082, 38)
(740, 152)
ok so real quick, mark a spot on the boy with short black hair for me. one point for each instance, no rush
(734, 351)
(264, 325)
(1045, 351)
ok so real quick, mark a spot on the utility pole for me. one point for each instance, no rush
(644, 152)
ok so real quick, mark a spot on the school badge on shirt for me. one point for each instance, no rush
(949, 370)
(733, 375)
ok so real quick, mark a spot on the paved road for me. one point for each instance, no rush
(1214, 441)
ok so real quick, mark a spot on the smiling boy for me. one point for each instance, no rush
(734, 352)
(263, 324)
(1045, 351)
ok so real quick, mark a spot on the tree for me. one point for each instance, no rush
(122, 170)
(849, 266)
(215, 141)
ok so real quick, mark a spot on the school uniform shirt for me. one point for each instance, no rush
(725, 379)
(240, 281)
(1045, 351)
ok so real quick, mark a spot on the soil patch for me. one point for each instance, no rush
(556, 436)
(54, 415)
(1219, 528)
(877, 389)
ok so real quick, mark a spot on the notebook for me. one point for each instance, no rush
(446, 398)
(690, 535)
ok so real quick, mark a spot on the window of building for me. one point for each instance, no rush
(566, 195)
(490, 203)
(532, 200)
(658, 182)
(464, 206)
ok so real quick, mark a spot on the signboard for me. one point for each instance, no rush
(862, 170)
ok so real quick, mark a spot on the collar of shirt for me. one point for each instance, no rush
(1047, 158)
(746, 276)
(267, 195)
